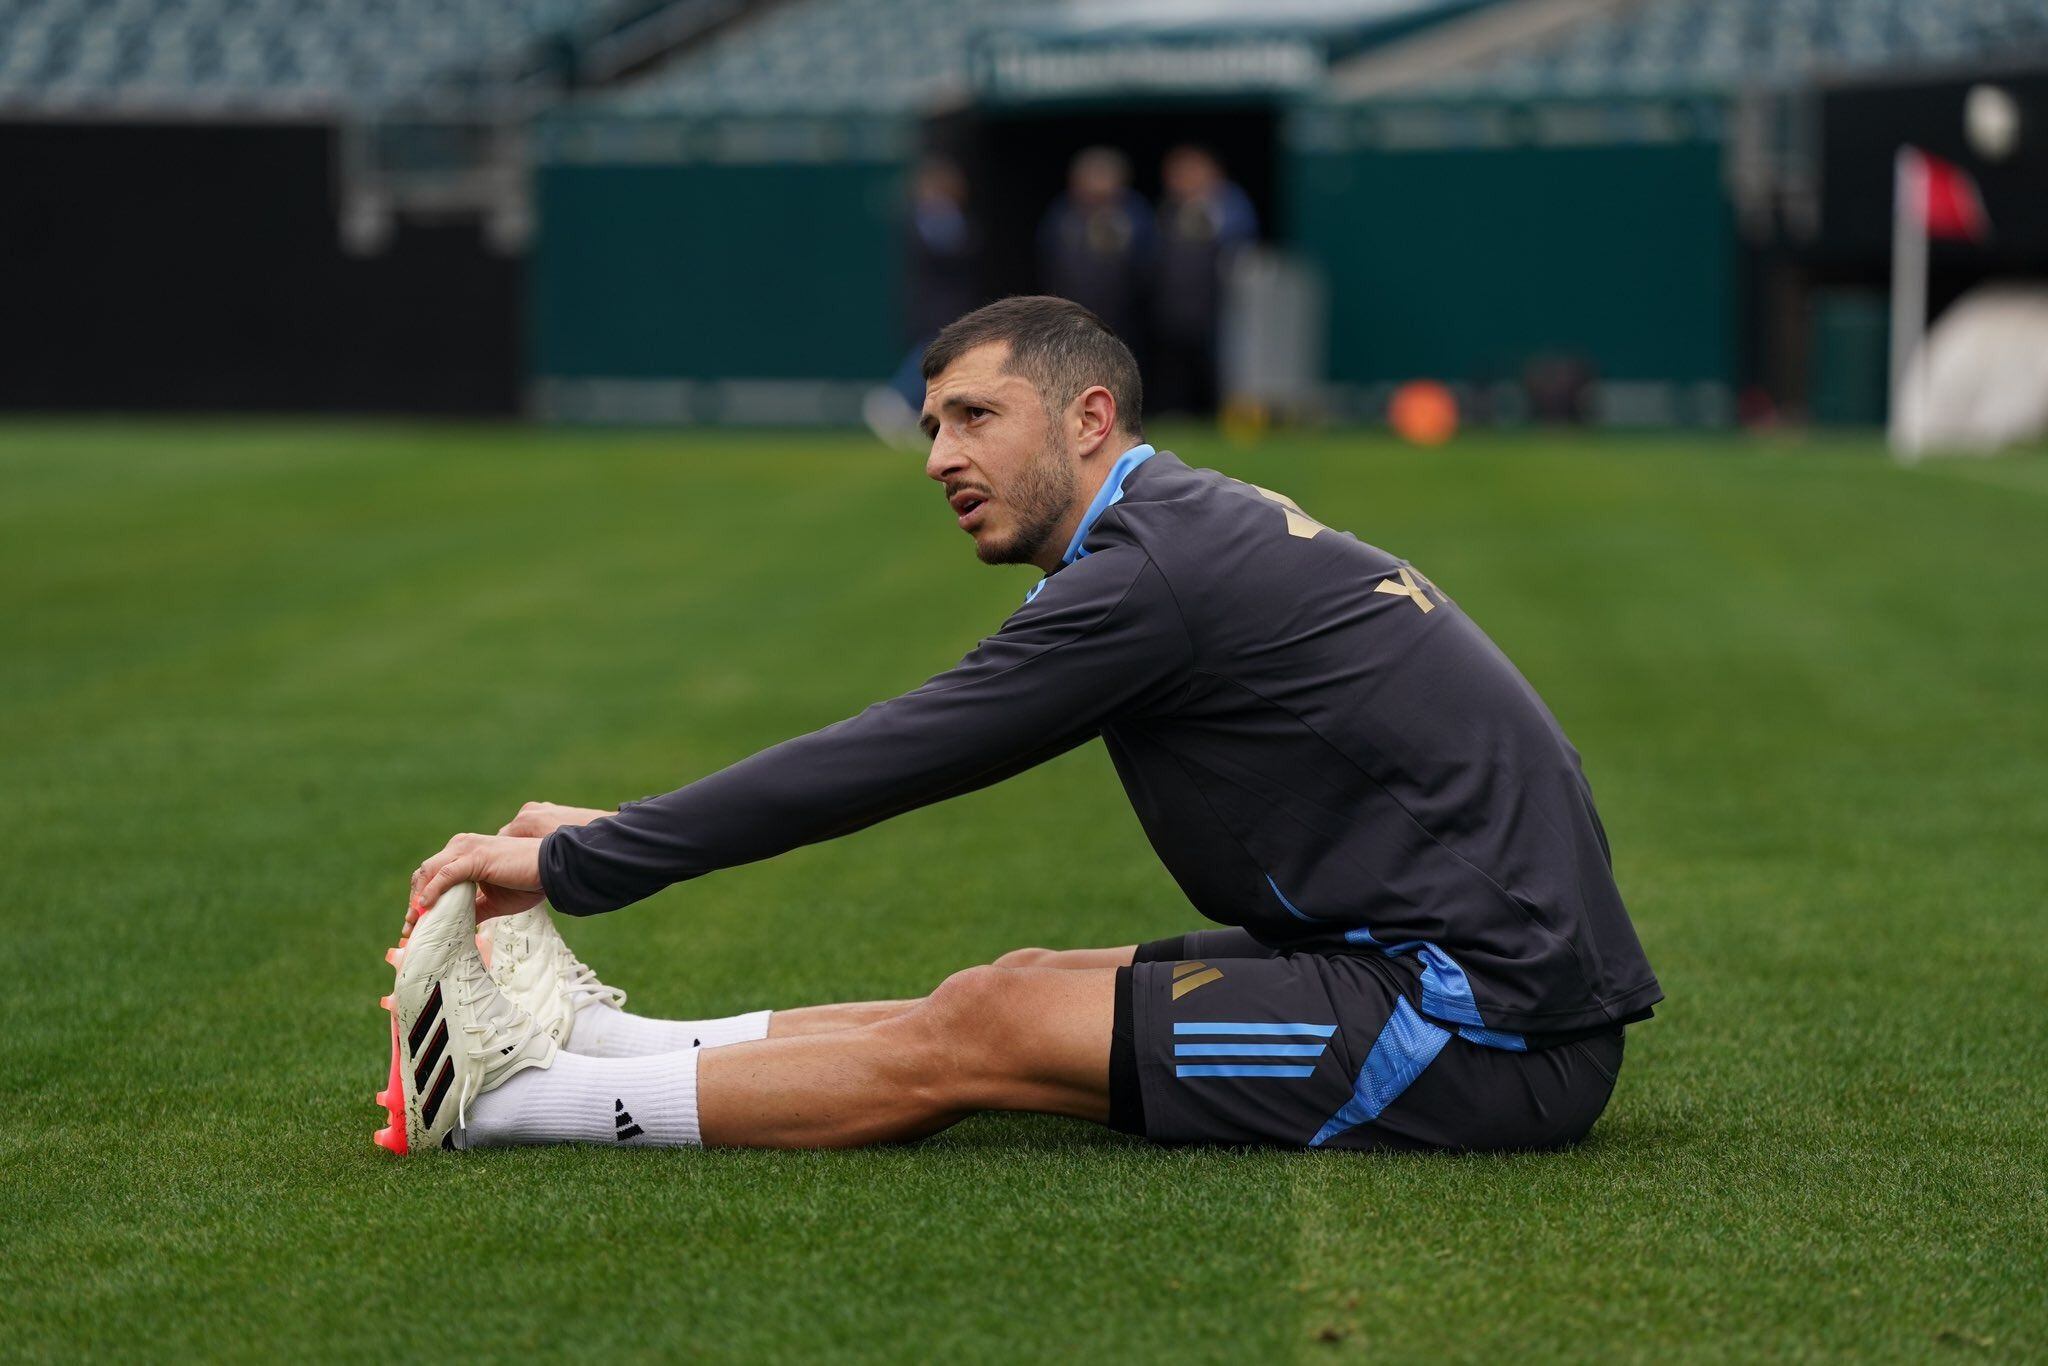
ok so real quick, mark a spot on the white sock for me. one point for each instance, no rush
(642, 1101)
(604, 1031)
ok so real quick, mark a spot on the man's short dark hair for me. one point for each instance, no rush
(1059, 346)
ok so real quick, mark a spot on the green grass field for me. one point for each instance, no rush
(252, 673)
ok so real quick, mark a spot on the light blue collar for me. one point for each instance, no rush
(1108, 496)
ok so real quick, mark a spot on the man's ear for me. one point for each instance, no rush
(1094, 417)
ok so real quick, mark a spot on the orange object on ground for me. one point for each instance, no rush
(1424, 412)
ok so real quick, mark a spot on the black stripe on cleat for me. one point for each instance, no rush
(434, 1051)
(432, 1106)
(425, 1022)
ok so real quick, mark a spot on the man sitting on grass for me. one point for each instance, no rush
(1425, 948)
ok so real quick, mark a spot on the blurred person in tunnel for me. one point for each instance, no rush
(942, 264)
(1203, 219)
(1096, 242)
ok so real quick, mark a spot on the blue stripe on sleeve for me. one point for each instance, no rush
(1292, 909)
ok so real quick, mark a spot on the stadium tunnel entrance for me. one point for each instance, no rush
(1016, 163)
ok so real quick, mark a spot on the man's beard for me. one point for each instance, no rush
(1039, 502)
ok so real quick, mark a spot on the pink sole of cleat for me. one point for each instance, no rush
(392, 1097)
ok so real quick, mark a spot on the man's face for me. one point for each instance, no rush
(1009, 475)
(1188, 174)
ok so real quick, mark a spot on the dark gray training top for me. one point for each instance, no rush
(1321, 746)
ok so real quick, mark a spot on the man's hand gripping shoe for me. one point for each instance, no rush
(454, 1034)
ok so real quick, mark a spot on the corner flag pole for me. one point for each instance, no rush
(1909, 299)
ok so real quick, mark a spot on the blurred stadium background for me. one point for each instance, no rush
(1628, 212)
(375, 374)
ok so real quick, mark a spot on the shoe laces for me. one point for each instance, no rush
(496, 1025)
(580, 984)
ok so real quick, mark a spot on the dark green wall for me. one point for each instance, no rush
(709, 271)
(1457, 262)
(1461, 263)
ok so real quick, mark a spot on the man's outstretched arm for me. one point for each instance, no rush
(1102, 637)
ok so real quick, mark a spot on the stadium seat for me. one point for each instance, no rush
(822, 55)
(1682, 46)
(255, 53)
(878, 55)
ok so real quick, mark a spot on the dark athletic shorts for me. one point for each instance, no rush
(1219, 1039)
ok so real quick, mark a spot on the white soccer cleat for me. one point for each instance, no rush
(534, 965)
(454, 1034)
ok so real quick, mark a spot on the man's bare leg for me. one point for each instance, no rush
(989, 1038)
(789, 1024)
(802, 1020)
(1069, 958)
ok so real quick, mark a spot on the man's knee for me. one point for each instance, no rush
(961, 1005)
(994, 1020)
(1007, 1038)
(977, 1020)
(946, 1045)
(1068, 958)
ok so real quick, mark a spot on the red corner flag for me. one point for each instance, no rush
(1933, 198)
(1942, 196)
